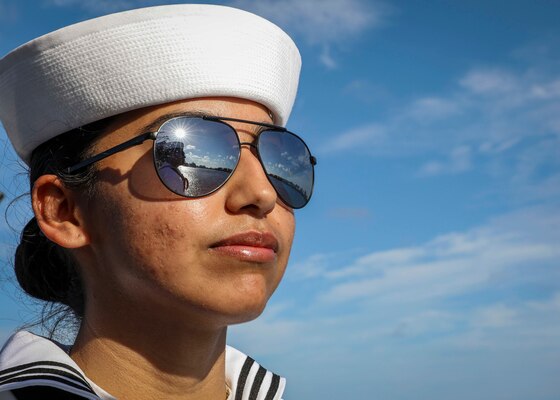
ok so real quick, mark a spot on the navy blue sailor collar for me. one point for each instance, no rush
(30, 361)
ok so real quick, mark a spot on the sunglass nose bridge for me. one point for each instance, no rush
(252, 145)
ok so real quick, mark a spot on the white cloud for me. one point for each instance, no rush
(526, 326)
(501, 122)
(426, 321)
(489, 81)
(549, 90)
(326, 58)
(493, 316)
(362, 136)
(547, 188)
(552, 304)
(322, 23)
(449, 265)
(427, 109)
(314, 266)
(319, 21)
(459, 161)
(452, 264)
(364, 90)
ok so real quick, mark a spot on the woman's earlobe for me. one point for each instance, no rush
(54, 206)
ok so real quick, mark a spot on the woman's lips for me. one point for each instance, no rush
(253, 246)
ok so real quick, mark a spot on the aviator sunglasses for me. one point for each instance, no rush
(196, 155)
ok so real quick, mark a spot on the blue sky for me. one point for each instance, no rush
(427, 263)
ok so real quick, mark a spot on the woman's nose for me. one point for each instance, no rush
(249, 189)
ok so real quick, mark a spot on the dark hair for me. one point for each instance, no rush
(45, 270)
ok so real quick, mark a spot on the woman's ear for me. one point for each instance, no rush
(56, 211)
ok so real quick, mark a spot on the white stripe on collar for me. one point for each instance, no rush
(30, 360)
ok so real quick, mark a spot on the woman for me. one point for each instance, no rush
(163, 188)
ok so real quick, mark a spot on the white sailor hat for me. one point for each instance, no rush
(120, 62)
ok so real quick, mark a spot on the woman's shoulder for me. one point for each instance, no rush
(32, 362)
(245, 375)
(29, 362)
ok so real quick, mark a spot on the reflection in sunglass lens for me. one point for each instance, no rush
(194, 157)
(287, 162)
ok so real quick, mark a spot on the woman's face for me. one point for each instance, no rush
(216, 259)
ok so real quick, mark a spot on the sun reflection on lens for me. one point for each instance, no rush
(180, 133)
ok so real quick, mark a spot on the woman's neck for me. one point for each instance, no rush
(141, 359)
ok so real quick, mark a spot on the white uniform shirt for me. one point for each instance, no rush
(28, 360)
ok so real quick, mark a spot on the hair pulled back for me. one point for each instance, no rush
(45, 270)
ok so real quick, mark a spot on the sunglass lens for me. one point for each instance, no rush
(194, 157)
(287, 162)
